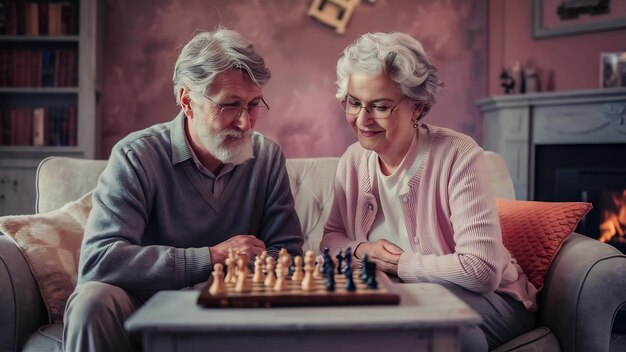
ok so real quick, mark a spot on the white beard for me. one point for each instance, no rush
(237, 152)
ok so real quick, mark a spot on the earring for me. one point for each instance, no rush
(416, 123)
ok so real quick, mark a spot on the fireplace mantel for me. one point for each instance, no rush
(513, 125)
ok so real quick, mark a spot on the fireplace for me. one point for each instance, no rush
(566, 146)
(588, 173)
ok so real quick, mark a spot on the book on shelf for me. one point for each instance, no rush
(38, 67)
(41, 126)
(38, 17)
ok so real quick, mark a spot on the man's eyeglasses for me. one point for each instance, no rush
(231, 113)
(377, 110)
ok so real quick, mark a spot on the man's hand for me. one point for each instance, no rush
(385, 254)
(248, 243)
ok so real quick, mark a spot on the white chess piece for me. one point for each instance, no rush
(317, 273)
(217, 287)
(233, 254)
(242, 262)
(230, 270)
(259, 275)
(298, 274)
(270, 278)
(281, 281)
(308, 283)
(285, 263)
(243, 283)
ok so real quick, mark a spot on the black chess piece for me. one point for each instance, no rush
(339, 257)
(327, 260)
(350, 286)
(329, 273)
(371, 275)
(363, 272)
(348, 257)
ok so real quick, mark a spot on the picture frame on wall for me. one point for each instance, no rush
(613, 69)
(554, 18)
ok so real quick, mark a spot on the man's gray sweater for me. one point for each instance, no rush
(154, 216)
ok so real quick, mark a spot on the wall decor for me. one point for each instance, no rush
(613, 70)
(335, 13)
(554, 18)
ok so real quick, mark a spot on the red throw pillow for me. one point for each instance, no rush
(534, 231)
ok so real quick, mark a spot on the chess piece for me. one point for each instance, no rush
(298, 274)
(282, 252)
(233, 256)
(350, 286)
(371, 275)
(363, 273)
(230, 270)
(270, 278)
(327, 261)
(281, 278)
(329, 272)
(243, 259)
(259, 275)
(326, 255)
(326, 252)
(242, 263)
(217, 287)
(339, 262)
(308, 284)
(348, 258)
(317, 273)
(243, 283)
(285, 261)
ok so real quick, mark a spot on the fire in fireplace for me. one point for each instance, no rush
(613, 221)
(587, 173)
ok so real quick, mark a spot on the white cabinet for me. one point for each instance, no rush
(17, 186)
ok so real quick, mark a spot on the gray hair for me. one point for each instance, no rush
(211, 53)
(398, 55)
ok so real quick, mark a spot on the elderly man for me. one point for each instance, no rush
(175, 196)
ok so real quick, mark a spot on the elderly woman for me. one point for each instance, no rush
(416, 198)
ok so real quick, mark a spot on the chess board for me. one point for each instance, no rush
(261, 296)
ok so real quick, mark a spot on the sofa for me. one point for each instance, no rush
(584, 287)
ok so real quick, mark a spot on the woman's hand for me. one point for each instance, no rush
(385, 254)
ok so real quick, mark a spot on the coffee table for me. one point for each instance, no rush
(428, 318)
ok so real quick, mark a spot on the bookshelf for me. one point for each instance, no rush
(48, 91)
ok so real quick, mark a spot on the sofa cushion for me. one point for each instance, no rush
(48, 338)
(50, 243)
(540, 339)
(311, 182)
(534, 231)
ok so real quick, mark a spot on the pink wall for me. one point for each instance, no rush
(141, 41)
(564, 63)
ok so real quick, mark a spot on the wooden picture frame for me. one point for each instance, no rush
(602, 22)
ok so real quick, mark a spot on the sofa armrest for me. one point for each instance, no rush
(584, 289)
(21, 307)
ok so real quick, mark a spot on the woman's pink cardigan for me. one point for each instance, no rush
(449, 210)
